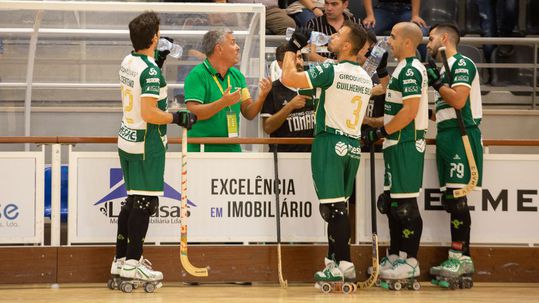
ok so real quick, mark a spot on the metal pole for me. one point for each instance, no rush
(29, 76)
(56, 168)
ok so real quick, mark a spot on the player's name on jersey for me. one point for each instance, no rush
(127, 81)
(256, 186)
(353, 88)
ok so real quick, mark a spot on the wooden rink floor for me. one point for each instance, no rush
(177, 292)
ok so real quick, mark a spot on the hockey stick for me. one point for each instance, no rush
(282, 281)
(375, 265)
(190, 268)
(474, 173)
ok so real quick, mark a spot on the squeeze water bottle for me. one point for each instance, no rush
(371, 64)
(317, 38)
(176, 51)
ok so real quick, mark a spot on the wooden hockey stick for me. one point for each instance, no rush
(282, 281)
(474, 173)
(190, 268)
(375, 265)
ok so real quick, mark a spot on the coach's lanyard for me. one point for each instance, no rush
(231, 120)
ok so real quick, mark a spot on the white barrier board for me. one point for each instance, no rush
(21, 197)
(505, 210)
(230, 195)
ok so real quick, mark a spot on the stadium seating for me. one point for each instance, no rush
(513, 76)
(532, 22)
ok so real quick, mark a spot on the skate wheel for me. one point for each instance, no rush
(110, 284)
(126, 287)
(149, 287)
(326, 288)
(453, 285)
(444, 284)
(347, 288)
(416, 285)
(397, 286)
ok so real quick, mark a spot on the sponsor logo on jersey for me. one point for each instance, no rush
(411, 89)
(127, 133)
(409, 81)
(461, 71)
(420, 145)
(462, 78)
(152, 80)
(341, 149)
(456, 157)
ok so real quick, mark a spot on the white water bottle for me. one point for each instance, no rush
(176, 51)
(317, 38)
(371, 64)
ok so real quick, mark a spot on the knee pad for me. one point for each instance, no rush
(384, 202)
(330, 210)
(147, 204)
(406, 211)
(455, 205)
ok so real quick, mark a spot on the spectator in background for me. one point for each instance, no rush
(387, 13)
(491, 26)
(217, 92)
(287, 112)
(331, 22)
(277, 20)
(304, 10)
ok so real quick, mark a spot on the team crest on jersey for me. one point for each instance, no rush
(420, 145)
(341, 149)
(152, 72)
(462, 62)
(409, 72)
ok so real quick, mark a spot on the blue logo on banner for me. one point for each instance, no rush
(9, 212)
(116, 176)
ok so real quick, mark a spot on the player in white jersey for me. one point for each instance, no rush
(142, 144)
(405, 125)
(463, 93)
(343, 90)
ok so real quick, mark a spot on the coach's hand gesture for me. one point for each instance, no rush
(231, 98)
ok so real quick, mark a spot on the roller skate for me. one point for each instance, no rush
(135, 273)
(455, 272)
(386, 263)
(403, 274)
(336, 278)
(115, 268)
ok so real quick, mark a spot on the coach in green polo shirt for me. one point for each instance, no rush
(216, 92)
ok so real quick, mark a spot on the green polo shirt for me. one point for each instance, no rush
(201, 86)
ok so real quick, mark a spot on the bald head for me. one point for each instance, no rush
(410, 30)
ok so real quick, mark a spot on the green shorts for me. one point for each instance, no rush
(453, 168)
(404, 169)
(144, 177)
(334, 164)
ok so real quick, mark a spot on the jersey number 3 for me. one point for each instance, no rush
(353, 124)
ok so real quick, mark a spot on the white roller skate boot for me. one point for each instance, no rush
(404, 273)
(386, 263)
(139, 272)
(115, 268)
(456, 271)
(336, 277)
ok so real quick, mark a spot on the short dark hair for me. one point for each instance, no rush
(357, 36)
(142, 29)
(371, 36)
(451, 29)
(280, 51)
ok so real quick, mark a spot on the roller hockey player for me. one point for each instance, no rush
(405, 125)
(336, 148)
(457, 89)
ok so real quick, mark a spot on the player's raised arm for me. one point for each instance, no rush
(291, 77)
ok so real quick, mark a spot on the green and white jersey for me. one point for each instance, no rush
(463, 72)
(409, 80)
(140, 77)
(343, 91)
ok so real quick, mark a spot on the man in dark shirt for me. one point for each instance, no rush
(329, 23)
(287, 112)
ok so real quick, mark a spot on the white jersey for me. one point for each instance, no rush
(140, 77)
(345, 90)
